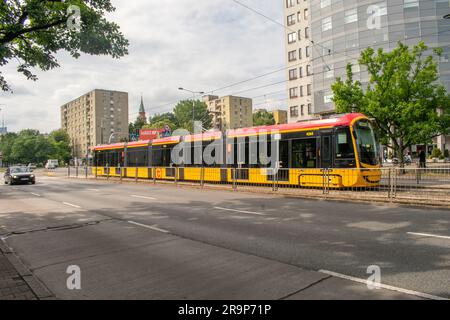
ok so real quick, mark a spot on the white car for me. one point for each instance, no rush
(51, 164)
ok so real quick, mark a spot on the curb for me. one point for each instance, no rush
(37, 287)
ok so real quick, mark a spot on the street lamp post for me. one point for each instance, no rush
(193, 103)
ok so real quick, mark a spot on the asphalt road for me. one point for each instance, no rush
(162, 242)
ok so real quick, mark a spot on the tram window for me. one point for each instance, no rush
(137, 158)
(166, 159)
(304, 153)
(284, 154)
(157, 157)
(344, 144)
(326, 149)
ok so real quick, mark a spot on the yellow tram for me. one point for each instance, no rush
(339, 152)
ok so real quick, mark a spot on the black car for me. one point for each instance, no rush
(17, 175)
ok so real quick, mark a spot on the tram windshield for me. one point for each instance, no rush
(367, 143)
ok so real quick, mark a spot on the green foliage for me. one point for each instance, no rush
(446, 153)
(29, 146)
(403, 96)
(436, 153)
(263, 118)
(61, 144)
(158, 121)
(183, 114)
(33, 31)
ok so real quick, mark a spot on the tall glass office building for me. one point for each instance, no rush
(341, 29)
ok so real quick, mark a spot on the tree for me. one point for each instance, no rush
(183, 114)
(61, 144)
(29, 146)
(32, 31)
(404, 97)
(158, 121)
(263, 118)
(6, 143)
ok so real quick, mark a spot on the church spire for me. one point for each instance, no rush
(142, 108)
(142, 113)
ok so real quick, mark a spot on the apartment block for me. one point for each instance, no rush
(299, 60)
(97, 117)
(230, 112)
(280, 116)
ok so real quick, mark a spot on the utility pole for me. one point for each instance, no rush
(193, 103)
(3, 117)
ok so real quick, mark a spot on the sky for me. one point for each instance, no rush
(201, 45)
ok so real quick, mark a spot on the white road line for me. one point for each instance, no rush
(94, 190)
(149, 227)
(240, 211)
(143, 197)
(428, 235)
(71, 205)
(35, 194)
(384, 286)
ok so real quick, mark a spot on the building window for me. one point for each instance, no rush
(309, 108)
(307, 32)
(308, 70)
(408, 4)
(351, 16)
(308, 89)
(292, 74)
(308, 51)
(294, 112)
(291, 20)
(301, 91)
(328, 72)
(327, 24)
(300, 55)
(300, 72)
(290, 3)
(292, 55)
(292, 37)
(293, 93)
(325, 3)
(306, 14)
(302, 110)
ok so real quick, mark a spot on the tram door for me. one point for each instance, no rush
(326, 151)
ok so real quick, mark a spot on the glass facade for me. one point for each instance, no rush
(341, 29)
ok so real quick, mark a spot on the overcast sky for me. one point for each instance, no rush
(198, 44)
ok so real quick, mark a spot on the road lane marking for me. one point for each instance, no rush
(35, 194)
(384, 286)
(428, 235)
(71, 205)
(143, 197)
(240, 211)
(149, 227)
(94, 190)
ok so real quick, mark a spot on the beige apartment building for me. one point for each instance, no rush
(299, 60)
(230, 112)
(280, 116)
(97, 117)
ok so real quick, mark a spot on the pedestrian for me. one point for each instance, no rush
(422, 159)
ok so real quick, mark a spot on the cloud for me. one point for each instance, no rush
(197, 44)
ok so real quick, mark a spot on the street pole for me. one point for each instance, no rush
(193, 103)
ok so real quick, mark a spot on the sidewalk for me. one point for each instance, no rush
(16, 282)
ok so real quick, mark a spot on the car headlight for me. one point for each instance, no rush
(32, 176)
(15, 177)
